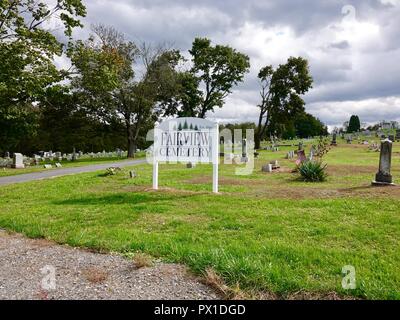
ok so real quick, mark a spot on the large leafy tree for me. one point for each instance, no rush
(215, 71)
(27, 49)
(218, 68)
(108, 86)
(63, 125)
(307, 125)
(281, 91)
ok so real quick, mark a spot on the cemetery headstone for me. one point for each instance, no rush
(58, 165)
(37, 160)
(244, 151)
(312, 152)
(267, 168)
(334, 140)
(397, 135)
(73, 154)
(190, 165)
(275, 164)
(300, 146)
(229, 157)
(384, 177)
(301, 157)
(6, 154)
(18, 161)
(48, 166)
(132, 174)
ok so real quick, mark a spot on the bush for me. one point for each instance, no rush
(312, 171)
(112, 171)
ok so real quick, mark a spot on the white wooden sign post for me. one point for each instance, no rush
(185, 140)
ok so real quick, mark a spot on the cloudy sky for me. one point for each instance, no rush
(353, 46)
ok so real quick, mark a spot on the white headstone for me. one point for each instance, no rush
(267, 168)
(18, 161)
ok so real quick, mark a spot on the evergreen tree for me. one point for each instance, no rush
(354, 124)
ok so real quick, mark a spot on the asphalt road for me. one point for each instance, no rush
(66, 171)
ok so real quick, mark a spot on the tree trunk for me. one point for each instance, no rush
(131, 147)
(257, 141)
(131, 141)
(259, 133)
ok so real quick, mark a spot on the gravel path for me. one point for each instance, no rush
(66, 171)
(80, 274)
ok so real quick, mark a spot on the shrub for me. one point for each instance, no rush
(323, 147)
(112, 171)
(142, 260)
(312, 171)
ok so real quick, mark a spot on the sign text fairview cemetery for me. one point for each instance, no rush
(186, 140)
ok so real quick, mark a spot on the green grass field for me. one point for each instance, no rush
(264, 232)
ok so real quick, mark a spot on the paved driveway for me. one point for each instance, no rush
(66, 171)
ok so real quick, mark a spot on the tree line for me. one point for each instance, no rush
(116, 89)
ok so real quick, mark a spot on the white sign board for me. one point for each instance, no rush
(185, 140)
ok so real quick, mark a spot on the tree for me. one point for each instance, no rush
(185, 97)
(219, 68)
(306, 125)
(26, 54)
(281, 91)
(63, 124)
(107, 84)
(215, 71)
(354, 124)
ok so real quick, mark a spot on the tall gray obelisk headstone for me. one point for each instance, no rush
(383, 177)
(334, 141)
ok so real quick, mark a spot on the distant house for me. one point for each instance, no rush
(388, 125)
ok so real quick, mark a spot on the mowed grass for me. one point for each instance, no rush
(264, 232)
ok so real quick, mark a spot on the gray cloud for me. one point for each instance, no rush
(353, 56)
(340, 45)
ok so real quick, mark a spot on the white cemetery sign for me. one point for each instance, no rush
(186, 140)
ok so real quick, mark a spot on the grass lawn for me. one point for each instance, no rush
(264, 232)
(65, 163)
